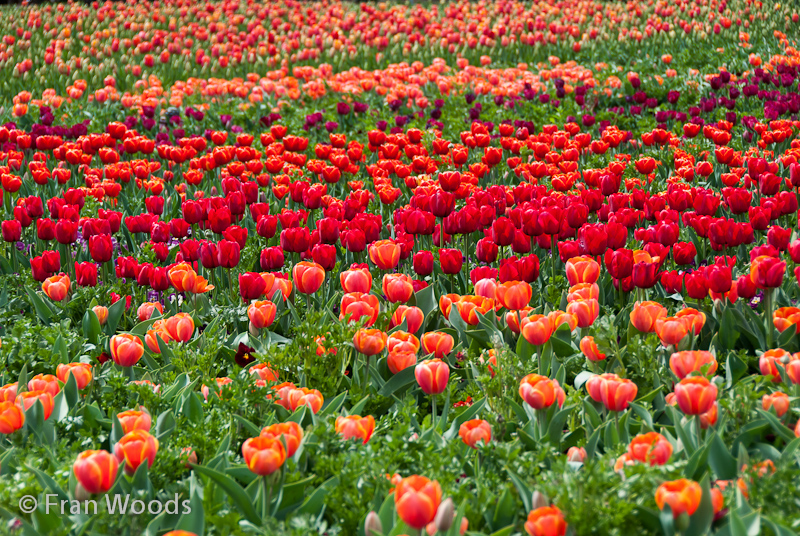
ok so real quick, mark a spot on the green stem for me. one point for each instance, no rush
(768, 317)
(433, 413)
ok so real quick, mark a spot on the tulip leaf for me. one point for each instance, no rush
(642, 413)
(165, 424)
(789, 452)
(556, 426)
(333, 406)
(313, 505)
(115, 312)
(582, 378)
(700, 521)
(667, 520)
(525, 494)
(402, 379)
(234, 491)
(728, 329)
(60, 347)
(43, 311)
(697, 463)
(777, 426)
(194, 520)
(720, 459)
(386, 513)
(251, 428)
(458, 324)
(525, 350)
(192, 408)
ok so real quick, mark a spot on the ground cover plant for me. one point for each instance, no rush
(489, 268)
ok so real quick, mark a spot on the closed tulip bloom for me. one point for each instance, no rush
(644, 315)
(308, 277)
(514, 295)
(56, 287)
(546, 521)
(180, 327)
(413, 317)
(416, 500)
(785, 318)
(559, 317)
(450, 260)
(423, 263)
(145, 311)
(261, 314)
(82, 372)
(100, 248)
(290, 432)
(582, 270)
(652, 448)
(792, 369)
(96, 470)
(513, 318)
(400, 360)
(126, 349)
(158, 331)
(694, 319)
(355, 427)
(8, 392)
(135, 448)
(370, 341)
(357, 280)
(102, 314)
(695, 395)
(685, 363)
(134, 420)
(486, 287)
(432, 376)
(251, 286)
(397, 288)
(613, 392)
(264, 372)
(12, 417)
(771, 360)
(182, 277)
(469, 307)
(355, 305)
(437, 343)
(537, 329)
(681, 495)
(263, 454)
(584, 291)
(303, 396)
(385, 254)
(540, 392)
(44, 382)
(671, 330)
(777, 401)
(475, 430)
(586, 311)
(590, 349)
(402, 341)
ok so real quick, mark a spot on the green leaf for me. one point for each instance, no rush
(333, 407)
(91, 327)
(504, 510)
(697, 463)
(720, 459)
(193, 408)
(525, 494)
(115, 312)
(234, 491)
(786, 433)
(165, 424)
(251, 428)
(556, 426)
(642, 413)
(313, 505)
(402, 379)
(193, 521)
(728, 330)
(43, 310)
(700, 521)
(47, 482)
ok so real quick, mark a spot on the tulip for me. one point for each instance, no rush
(681, 495)
(12, 417)
(514, 295)
(261, 314)
(769, 362)
(385, 254)
(437, 343)
(82, 372)
(416, 500)
(695, 395)
(251, 286)
(582, 270)
(96, 470)
(44, 382)
(303, 396)
(355, 427)
(432, 376)
(397, 288)
(370, 341)
(400, 360)
(671, 330)
(56, 287)
(308, 277)
(613, 392)
(372, 524)
(402, 341)
(590, 349)
(786, 317)
(289, 432)
(541, 392)
(576, 455)
(182, 277)
(792, 369)
(145, 311)
(8, 392)
(652, 448)
(423, 263)
(779, 401)
(134, 420)
(586, 311)
(102, 314)
(450, 260)
(264, 454)
(412, 316)
(559, 317)
(694, 319)
(135, 448)
(475, 430)
(126, 349)
(469, 306)
(644, 315)
(683, 364)
(180, 327)
(356, 305)
(356, 280)
(546, 521)
(766, 271)
(537, 329)
(487, 288)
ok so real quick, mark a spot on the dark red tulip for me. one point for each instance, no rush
(354, 240)
(295, 239)
(672, 282)
(486, 250)
(38, 270)
(178, 228)
(593, 239)
(229, 253)
(328, 230)
(159, 232)
(778, 237)
(696, 285)
(442, 203)
(12, 230)
(45, 229)
(209, 255)
(154, 205)
(86, 274)
(251, 286)
(719, 278)
(423, 263)
(127, 267)
(325, 256)
(101, 248)
(266, 226)
(745, 288)
(236, 234)
(619, 263)
(684, 253)
(644, 274)
(52, 261)
(192, 212)
(159, 279)
(219, 219)
(450, 260)
(272, 258)
(190, 249)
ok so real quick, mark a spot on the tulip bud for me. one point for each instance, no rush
(81, 494)
(444, 515)
(539, 500)
(785, 359)
(372, 525)
(682, 522)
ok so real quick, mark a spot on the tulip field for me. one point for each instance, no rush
(492, 268)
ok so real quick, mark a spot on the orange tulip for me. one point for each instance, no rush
(681, 495)
(264, 372)
(82, 372)
(385, 254)
(685, 363)
(356, 280)
(303, 396)
(613, 392)
(416, 500)
(158, 331)
(397, 288)
(182, 276)
(584, 291)
(180, 327)
(792, 369)
(398, 361)
(537, 329)
(469, 307)
(308, 277)
(11, 417)
(291, 433)
(514, 295)
(475, 430)
(412, 315)
(486, 287)
(145, 310)
(769, 362)
(590, 349)
(261, 314)
(645, 314)
(357, 305)
(513, 318)
(134, 420)
(355, 427)
(402, 341)
(779, 401)
(101, 313)
(652, 448)
(585, 310)
(44, 382)
(695, 320)
(559, 317)
(709, 418)
(135, 448)
(126, 349)
(56, 287)
(546, 521)
(263, 454)
(671, 330)
(695, 395)
(582, 270)
(437, 343)
(8, 392)
(284, 286)
(96, 470)
(370, 341)
(541, 392)
(432, 376)
(786, 317)
(446, 302)
(28, 398)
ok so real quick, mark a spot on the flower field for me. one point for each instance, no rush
(377, 269)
